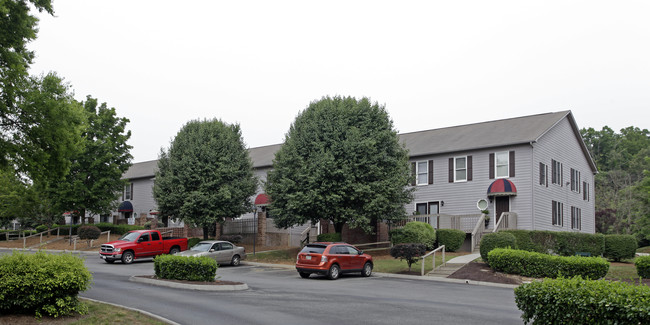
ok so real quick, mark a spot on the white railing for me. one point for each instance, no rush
(508, 220)
(463, 222)
(39, 234)
(433, 252)
(477, 232)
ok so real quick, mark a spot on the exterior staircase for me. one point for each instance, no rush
(445, 271)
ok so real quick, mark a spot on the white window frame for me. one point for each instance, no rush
(576, 218)
(418, 172)
(427, 205)
(575, 180)
(456, 180)
(543, 175)
(556, 171)
(558, 217)
(127, 192)
(496, 164)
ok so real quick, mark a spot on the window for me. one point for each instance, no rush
(575, 180)
(556, 172)
(502, 166)
(155, 236)
(422, 173)
(144, 237)
(460, 169)
(543, 174)
(226, 246)
(576, 218)
(421, 208)
(427, 208)
(558, 213)
(585, 191)
(128, 191)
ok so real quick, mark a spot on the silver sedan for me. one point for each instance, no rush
(223, 252)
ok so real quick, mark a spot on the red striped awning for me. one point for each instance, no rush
(502, 187)
(262, 200)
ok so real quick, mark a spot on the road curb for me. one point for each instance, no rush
(160, 318)
(198, 287)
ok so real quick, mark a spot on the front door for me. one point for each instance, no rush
(502, 204)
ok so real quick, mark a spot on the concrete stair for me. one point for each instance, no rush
(445, 271)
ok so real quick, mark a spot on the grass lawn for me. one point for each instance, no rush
(645, 249)
(98, 313)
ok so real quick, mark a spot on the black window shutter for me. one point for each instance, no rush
(451, 170)
(412, 174)
(491, 164)
(561, 175)
(546, 175)
(131, 191)
(469, 168)
(541, 174)
(512, 163)
(430, 171)
(123, 190)
(553, 172)
(554, 213)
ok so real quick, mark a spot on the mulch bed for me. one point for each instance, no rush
(213, 283)
(481, 272)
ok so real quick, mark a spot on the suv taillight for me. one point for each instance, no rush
(323, 259)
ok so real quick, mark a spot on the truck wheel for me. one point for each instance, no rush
(127, 257)
(174, 250)
(235, 260)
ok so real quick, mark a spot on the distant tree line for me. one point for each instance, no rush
(623, 181)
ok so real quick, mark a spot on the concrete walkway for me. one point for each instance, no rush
(453, 265)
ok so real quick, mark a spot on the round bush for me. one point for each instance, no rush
(494, 240)
(147, 225)
(409, 252)
(415, 232)
(452, 239)
(236, 239)
(329, 237)
(618, 247)
(88, 232)
(642, 264)
(41, 228)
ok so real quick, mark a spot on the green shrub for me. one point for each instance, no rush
(42, 284)
(579, 301)
(88, 232)
(232, 238)
(193, 241)
(539, 265)
(415, 232)
(642, 264)
(329, 237)
(558, 242)
(117, 229)
(494, 240)
(618, 247)
(188, 268)
(453, 239)
(41, 228)
(409, 252)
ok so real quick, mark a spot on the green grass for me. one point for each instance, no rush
(645, 249)
(618, 272)
(279, 256)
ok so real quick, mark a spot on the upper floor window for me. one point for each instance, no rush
(575, 180)
(576, 218)
(556, 172)
(502, 166)
(460, 169)
(558, 213)
(543, 174)
(422, 172)
(128, 191)
(585, 191)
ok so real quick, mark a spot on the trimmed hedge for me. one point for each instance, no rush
(452, 239)
(42, 284)
(618, 247)
(642, 264)
(117, 229)
(236, 239)
(494, 240)
(193, 241)
(329, 237)
(41, 228)
(414, 232)
(539, 265)
(88, 232)
(175, 267)
(558, 242)
(579, 301)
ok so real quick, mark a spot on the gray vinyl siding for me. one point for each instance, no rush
(143, 200)
(460, 198)
(561, 144)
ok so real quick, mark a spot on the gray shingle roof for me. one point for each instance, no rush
(506, 132)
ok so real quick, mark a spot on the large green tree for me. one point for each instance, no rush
(96, 170)
(206, 175)
(341, 161)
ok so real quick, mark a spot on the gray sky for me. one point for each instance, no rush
(432, 63)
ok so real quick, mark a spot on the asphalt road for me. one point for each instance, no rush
(280, 296)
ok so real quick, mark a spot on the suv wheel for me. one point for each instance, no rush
(367, 269)
(334, 272)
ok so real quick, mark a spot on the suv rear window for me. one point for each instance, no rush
(318, 249)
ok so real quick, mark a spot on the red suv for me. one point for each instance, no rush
(332, 259)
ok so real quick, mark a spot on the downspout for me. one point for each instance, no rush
(532, 193)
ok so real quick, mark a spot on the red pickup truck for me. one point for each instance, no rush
(137, 244)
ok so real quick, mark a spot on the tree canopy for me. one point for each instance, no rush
(341, 161)
(206, 175)
(96, 170)
(621, 196)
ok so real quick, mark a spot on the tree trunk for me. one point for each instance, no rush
(338, 227)
(206, 232)
(82, 214)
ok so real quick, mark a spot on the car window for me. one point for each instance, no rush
(144, 237)
(352, 250)
(225, 246)
(341, 250)
(215, 246)
(318, 249)
(155, 236)
(201, 247)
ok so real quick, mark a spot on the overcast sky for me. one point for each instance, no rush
(431, 63)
